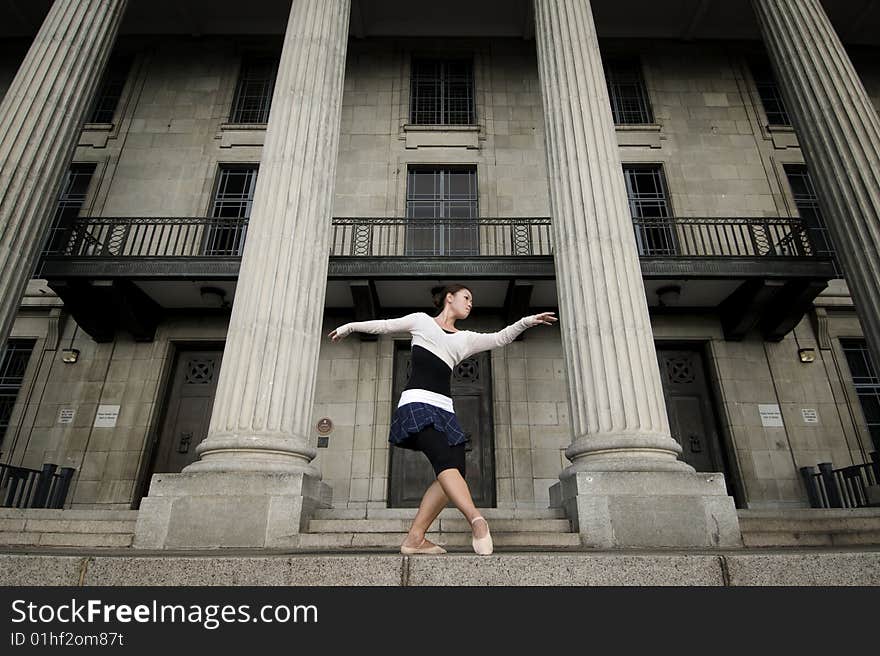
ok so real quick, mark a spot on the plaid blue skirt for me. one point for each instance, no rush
(412, 417)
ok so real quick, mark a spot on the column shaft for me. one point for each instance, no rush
(839, 133)
(262, 412)
(40, 120)
(618, 411)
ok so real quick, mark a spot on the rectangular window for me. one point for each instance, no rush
(444, 206)
(12, 368)
(768, 91)
(649, 206)
(626, 89)
(442, 92)
(807, 202)
(866, 382)
(256, 84)
(110, 90)
(74, 191)
(233, 200)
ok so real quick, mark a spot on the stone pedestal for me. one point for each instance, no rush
(619, 424)
(613, 510)
(209, 510)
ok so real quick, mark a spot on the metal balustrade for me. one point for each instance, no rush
(199, 237)
(21, 487)
(846, 487)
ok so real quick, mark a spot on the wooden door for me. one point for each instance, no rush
(691, 409)
(188, 409)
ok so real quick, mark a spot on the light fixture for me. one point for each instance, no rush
(807, 355)
(214, 296)
(668, 295)
(69, 355)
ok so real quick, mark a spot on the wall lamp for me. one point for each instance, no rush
(669, 295)
(807, 355)
(70, 355)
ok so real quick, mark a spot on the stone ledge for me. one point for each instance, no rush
(675, 568)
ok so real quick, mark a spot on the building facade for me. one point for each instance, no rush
(662, 181)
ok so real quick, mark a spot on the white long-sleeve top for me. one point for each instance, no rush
(451, 348)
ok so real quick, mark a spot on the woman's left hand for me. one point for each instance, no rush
(547, 318)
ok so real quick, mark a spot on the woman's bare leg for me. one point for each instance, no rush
(456, 489)
(432, 503)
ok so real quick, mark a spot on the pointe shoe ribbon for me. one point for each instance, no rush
(483, 546)
(433, 549)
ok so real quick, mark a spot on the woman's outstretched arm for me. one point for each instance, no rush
(377, 327)
(478, 342)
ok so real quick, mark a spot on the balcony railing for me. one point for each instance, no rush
(112, 237)
(405, 237)
(106, 237)
(723, 237)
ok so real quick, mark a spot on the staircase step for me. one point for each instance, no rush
(86, 539)
(52, 513)
(31, 538)
(446, 513)
(810, 527)
(459, 525)
(393, 540)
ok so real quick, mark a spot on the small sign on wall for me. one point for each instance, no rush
(107, 416)
(810, 415)
(66, 415)
(771, 415)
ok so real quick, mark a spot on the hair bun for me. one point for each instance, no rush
(438, 294)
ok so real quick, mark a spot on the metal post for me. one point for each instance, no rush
(808, 474)
(44, 484)
(826, 469)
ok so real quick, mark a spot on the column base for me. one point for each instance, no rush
(649, 509)
(210, 510)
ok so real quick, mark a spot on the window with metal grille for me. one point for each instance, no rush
(807, 203)
(768, 91)
(74, 191)
(626, 89)
(253, 94)
(649, 206)
(443, 204)
(866, 382)
(110, 89)
(442, 92)
(233, 199)
(12, 368)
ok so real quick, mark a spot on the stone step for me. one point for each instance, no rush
(68, 526)
(51, 513)
(392, 541)
(783, 539)
(31, 538)
(810, 527)
(451, 525)
(446, 513)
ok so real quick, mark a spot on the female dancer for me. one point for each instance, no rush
(425, 419)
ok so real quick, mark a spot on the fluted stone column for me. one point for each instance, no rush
(839, 133)
(40, 121)
(625, 473)
(254, 484)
